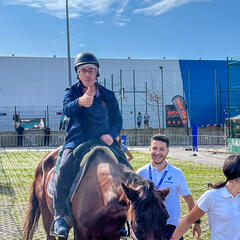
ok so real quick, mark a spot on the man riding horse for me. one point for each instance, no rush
(94, 114)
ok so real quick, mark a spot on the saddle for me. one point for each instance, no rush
(82, 155)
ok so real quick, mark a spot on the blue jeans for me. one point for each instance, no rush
(169, 231)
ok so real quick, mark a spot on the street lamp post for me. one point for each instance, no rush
(161, 68)
(68, 48)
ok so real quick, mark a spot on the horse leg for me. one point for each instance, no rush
(47, 219)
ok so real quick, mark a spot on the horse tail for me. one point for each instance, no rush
(32, 214)
(33, 210)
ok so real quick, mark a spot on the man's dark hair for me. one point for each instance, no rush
(161, 138)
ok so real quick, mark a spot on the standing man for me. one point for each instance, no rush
(93, 113)
(47, 132)
(20, 130)
(15, 120)
(61, 122)
(163, 174)
(139, 119)
(146, 120)
(65, 123)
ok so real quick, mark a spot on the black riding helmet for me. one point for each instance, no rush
(85, 58)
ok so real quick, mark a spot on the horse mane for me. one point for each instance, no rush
(147, 195)
(105, 217)
(131, 177)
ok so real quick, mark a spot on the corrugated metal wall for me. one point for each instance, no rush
(39, 82)
(27, 81)
(33, 83)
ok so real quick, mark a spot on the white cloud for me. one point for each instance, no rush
(123, 5)
(76, 7)
(99, 22)
(120, 21)
(163, 6)
(82, 45)
(102, 7)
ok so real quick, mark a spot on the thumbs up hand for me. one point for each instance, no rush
(87, 99)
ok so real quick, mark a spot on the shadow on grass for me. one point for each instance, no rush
(6, 189)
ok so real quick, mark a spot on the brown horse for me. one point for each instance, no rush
(107, 196)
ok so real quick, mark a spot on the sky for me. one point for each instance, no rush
(139, 29)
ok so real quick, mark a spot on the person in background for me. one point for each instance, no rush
(164, 175)
(61, 122)
(65, 123)
(16, 120)
(139, 119)
(20, 130)
(222, 203)
(146, 119)
(124, 148)
(238, 130)
(47, 132)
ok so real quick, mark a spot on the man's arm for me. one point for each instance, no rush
(70, 103)
(190, 205)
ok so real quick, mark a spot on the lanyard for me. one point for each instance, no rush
(162, 178)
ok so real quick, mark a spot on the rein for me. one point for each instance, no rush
(132, 234)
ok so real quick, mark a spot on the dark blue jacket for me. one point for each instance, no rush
(102, 117)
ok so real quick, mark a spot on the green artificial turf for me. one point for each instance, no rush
(17, 171)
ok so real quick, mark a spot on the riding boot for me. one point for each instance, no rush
(60, 227)
(64, 181)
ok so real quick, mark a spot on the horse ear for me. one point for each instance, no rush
(131, 194)
(164, 192)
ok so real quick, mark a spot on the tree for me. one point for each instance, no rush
(154, 100)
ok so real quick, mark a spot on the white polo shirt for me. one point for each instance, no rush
(175, 180)
(223, 213)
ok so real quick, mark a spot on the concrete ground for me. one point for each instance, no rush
(209, 156)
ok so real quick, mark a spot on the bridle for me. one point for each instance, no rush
(132, 234)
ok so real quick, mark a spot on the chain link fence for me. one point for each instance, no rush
(55, 140)
(31, 140)
(17, 170)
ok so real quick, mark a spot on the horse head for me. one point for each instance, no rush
(147, 214)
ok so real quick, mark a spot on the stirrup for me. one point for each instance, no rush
(52, 228)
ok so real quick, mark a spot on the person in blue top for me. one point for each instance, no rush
(20, 130)
(124, 148)
(93, 113)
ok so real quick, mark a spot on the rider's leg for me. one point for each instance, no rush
(64, 181)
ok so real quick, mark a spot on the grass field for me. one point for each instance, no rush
(17, 171)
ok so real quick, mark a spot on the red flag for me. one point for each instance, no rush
(181, 107)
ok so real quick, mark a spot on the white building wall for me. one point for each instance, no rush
(34, 82)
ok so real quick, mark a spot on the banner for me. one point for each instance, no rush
(172, 117)
(181, 107)
(33, 123)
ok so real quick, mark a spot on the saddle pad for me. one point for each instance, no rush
(82, 154)
(51, 185)
(84, 165)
